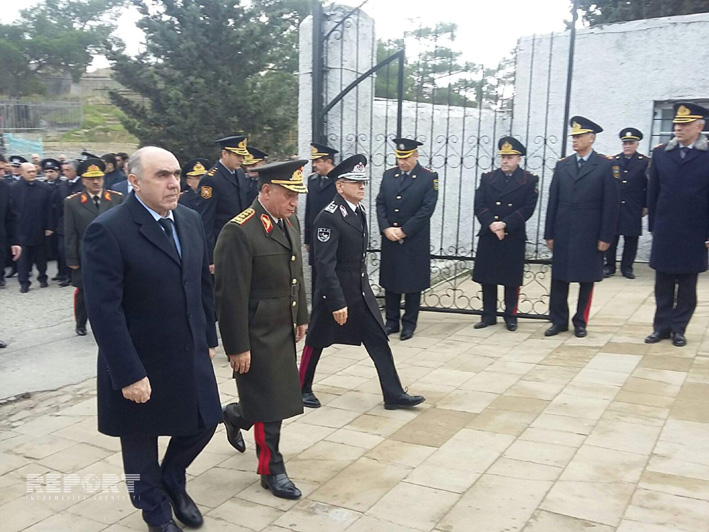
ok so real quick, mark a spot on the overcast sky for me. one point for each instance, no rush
(488, 29)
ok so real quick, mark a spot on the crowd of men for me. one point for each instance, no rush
(161, 254)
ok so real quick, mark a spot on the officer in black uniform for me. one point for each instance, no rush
(255, 159)
(192, 172)
(405, 203)
(630, 167)
(504, 201)
(223, 190)
(15, 163)
(321, 190)
(678, 208)
(345, 310)
(582, 216)
(33, 200)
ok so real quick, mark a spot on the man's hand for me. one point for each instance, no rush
(211, 269)
(138, 392)
(500, 234)
(73, 267)
(340, 316)
(241, 363)
(644, 211)
(392, 234)
(16, 252)
(212, 352)
(300, 332)
(550, 244)
(603, 246)
(400, 233)
(307, 248)
(48, 232)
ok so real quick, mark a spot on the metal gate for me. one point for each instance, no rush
(458, 115)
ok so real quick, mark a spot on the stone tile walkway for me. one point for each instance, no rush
(519, 433)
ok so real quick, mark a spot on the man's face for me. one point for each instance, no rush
(159, 184)
(322, 166)
(35, 158)
(109, 167)
(582, 143)
(509, 163)
(630, 147)
(121, 163)
(352, 191)
(93, 184)
(69, 172)
(28, 171)
(407, 164)
(688, 133)
(193, 181)
(15, 170)
(232, 160)
(51, 174)
(279, 201)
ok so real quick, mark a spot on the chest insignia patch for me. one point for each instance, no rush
(616, 172)
(206, 192)
(323, 234)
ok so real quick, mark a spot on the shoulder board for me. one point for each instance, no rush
(72, 195)
(659, 145)
(428, 169)
(244, 216)
(331, 208)
(115, 192)
(392, 168)
(617, 156)
(564, 158)
(211, 171)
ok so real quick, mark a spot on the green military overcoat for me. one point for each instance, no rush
(260, 300)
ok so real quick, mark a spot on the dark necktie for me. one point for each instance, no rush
(97, 201)
(683, 150)
(166, 224)
(581, 163)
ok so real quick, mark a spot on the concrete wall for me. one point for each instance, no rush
(620, 70)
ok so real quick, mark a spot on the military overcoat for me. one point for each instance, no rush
(632, 174)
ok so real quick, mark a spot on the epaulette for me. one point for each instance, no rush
(211, 171)
(115, 192)
(331, 208)
(659, 145)
(244, 216)
(72, 195)
(564, 158)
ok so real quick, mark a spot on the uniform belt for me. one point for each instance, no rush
(580, 205)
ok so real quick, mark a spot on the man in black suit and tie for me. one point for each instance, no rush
(582, 217)
(8, 232)
(149, 297)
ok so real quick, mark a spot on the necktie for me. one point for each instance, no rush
(581, 163)
(166, 224)
(97, 201)
(683, 151)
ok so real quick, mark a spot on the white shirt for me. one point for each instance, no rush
(352, 205)
(157, 217)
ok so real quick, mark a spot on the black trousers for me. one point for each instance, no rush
(675, 301)
(412, 304)
(377, 345)
(313, 280)
(140, 457)
(630, 249)
(559, 304)
(80, 308)
(267, 435)
(4, 252)
(489, 315)
(32, 255)
(63, 270)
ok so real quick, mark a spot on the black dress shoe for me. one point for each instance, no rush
(64, 283)
(43, 284)
(185, 508)
(511, 326)
(391, 330)
(233, 435)
(554, 330)
(57, 278)
(310, 401)
(404, 401)
(656, 336)
(406, 334)
(81, 331)
(580, 332)
(607, 272)
(281, 486)
(481, 325)
(170, 526)
(24, 289)
(12, 274)
(628, 274)
(678, 339)
(3, 345)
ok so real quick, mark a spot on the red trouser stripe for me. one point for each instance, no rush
(264, 457)
(304, 361)
(514, 312)
(587, 310)
(76, 293)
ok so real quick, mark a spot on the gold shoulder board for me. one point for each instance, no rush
(244, 216)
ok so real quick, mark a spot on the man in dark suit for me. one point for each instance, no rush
(8, 232)
(252, 161)
(582, 216)
(149, 297)
(630, 167)
(33, 200)
(263, 313)
(80, 210)
(223, 190)
(113, 173)
(321, 190)
(405, 203)
(345, 310)
(192, 173)
(51, 169)
(72, 185)
(504, 201)
(678, 208)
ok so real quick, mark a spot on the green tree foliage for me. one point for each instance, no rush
(596, 12)
(54, 37)
(435, 73)
(213, 68)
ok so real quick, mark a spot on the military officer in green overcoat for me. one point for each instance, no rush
(262, 312)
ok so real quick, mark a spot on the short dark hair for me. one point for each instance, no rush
(109, 158)
(123, 155)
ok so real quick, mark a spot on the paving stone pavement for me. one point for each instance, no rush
(519, 433)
